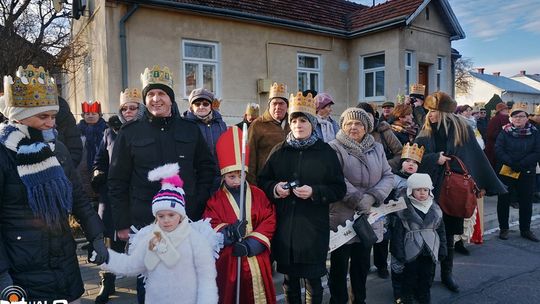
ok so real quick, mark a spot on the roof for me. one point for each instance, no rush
(535, 77)
(506, 84)
(335, 17)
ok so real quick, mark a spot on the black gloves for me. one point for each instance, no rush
(240, 249)
(99, 178)
(234, 232)
(101, 253)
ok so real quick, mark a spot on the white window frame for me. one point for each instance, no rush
(309, 71)
(440, 70)
(363, 72)
(410, 70)
(200, 62)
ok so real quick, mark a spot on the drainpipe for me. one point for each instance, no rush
(123, 44)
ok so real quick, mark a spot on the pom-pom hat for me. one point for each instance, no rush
(171, 196)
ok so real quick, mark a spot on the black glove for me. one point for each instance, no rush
(238, 229)
(240, 249)
(102, 254)
(99, 178)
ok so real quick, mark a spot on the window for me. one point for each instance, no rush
(372, 77)
(309, 72)
(440, 74)
(408, 71)
(201, 66)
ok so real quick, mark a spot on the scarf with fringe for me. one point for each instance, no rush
(48, 190)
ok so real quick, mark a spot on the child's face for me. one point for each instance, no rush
(232, 179)
(410, 166)
(168, 220)
(421, 194)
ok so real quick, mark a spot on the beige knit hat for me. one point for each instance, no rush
(357, 114)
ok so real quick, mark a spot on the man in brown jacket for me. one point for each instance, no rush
(268, 130)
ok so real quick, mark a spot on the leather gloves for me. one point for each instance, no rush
(240, 249)
(102, 255)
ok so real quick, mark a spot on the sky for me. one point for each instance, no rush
(501, 35)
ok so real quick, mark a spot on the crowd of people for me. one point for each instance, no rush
(199, 215)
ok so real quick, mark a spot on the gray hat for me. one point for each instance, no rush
(357, 114)
(201, 93)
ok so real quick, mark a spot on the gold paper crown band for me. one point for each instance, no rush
(157, 75)
(417, 89)
(413, 152)
(130, 95)
(301, 103)
(278, 90)
(252, 109)
(31, 87)
(519, 106)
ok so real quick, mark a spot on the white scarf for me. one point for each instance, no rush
(423, 206)
(327, 129)
(165, 249)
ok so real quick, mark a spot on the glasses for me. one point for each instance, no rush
(131, 108)
(201, 103)
(519, 116)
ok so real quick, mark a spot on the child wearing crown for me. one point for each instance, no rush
(174, 254)
(246, 237)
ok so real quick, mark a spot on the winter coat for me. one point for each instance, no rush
(482, 124)
(191, 280)
(493, 129)
(104, 154)
(40, 260)
(302, 230)
(384, 135)
(472, 156)
(92, 135)
(521, 153)
(263, 134)
(68, 133)
(369, 174)
(419, 115)
(318, 129)
(142, 145)
(210, 131)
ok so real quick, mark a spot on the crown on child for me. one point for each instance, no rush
(130, 95)
(31, 87)
(278, 90)
(301, 103)
(413, 152)
(157, 75)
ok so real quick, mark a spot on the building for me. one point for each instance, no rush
(532, 80)
(237, 48)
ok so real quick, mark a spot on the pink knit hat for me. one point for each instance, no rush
(171, 195)
(322, 100)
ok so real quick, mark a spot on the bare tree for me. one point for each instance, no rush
(463, 78)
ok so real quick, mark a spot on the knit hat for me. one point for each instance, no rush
(418, 180)
(201, 93)
(500, 106)
(440, 101)
(171, 195)
(30, 92)
(322, 100)
(356, 114)
(304, 105)
(402, 110)
(519, 107)
(157, 78)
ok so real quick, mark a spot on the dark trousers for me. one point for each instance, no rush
(293, 290)
(521, 188)
(358, 269)
(417, 280)
(380, 254)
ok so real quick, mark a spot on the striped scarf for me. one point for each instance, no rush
(48, 190)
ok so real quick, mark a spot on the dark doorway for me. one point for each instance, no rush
(423, 76)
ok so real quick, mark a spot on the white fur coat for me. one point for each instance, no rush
(191, 281)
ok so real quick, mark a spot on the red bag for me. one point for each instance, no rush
(458, 191)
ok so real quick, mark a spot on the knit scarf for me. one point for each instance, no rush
(301, 143)
(327, 129)
(519, 132)
(93, 135)
(48, 190)
(205, 119)
(162, 247)
(409, 129)
(355, 148)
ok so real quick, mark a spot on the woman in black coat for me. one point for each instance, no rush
(39, 188)
(518, 149)
(302, 177)
(444, 133)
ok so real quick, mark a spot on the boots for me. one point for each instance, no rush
(107, 287)
(459, 247)
(397, 278)
(446, 271)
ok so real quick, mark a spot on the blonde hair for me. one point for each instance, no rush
(461, 133)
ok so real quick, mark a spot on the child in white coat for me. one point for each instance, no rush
(175, 255)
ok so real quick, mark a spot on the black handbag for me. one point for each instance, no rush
(364, 231)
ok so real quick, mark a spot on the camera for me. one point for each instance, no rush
(291, 185)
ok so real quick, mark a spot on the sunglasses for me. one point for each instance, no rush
(131, 108)
(201, 103)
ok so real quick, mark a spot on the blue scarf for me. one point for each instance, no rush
(93, 135)
(48, 190)
(301, 143)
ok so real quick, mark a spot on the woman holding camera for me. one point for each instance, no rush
(302, 176)
(369, 180)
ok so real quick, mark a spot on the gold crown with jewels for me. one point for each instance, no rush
(130, 95)
(301, 103)
(157, 75)
(413, 152)
(31, 87)
(278, 90)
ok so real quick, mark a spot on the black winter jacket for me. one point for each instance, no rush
(302, 229)
(68, 132)
(520, 153)
(40, 260)
(143, 145)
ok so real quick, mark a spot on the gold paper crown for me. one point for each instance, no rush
(418, 89)
(537, 110)
(301, 103)
(216, 103)
(32, 87)
(413, 152)
(252, 109)
(157, 75)
(278, 90)
(130, 95)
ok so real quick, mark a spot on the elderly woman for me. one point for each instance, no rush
(369, 181)
(518, 150)
(327, 127)
(39, 188)
(445, 133)
(302, 177)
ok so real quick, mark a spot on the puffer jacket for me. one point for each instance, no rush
(40, 260)
(211, 130)
(384, 135)
(521, 153)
